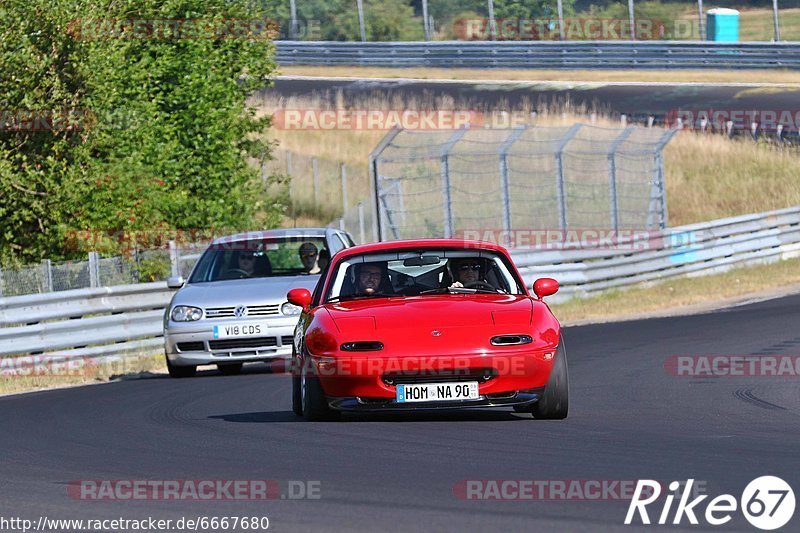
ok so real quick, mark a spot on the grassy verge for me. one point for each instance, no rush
(757, 24)
(78, 372)
(787, 77)
(681, 295)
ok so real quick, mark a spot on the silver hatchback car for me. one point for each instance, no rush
(233, 308)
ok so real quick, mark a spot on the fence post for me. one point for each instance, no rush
(658, 192)
(315, 172)
(94, 270)
(504, 188)
(47, 275)
(560, 189)
(447, 203)
(374, 187)
(425, 22)
(361, 232)
(612, 175)
(1, 282)
(343, 174)
(174, 259)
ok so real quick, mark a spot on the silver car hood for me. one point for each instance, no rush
(258, 291)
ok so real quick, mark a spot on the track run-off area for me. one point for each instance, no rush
(632, 417)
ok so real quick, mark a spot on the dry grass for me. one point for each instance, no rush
(788, 77)
(757, 24)
(680, 293)
(80, 372)
(708, 176)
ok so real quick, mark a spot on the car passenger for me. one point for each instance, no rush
(309, 258)
(324, 259)
(467, 272)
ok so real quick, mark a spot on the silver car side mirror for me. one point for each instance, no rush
(176, 282)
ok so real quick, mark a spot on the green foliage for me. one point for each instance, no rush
(164, 136)
(154, 269)
(395, 20)
(671, 16)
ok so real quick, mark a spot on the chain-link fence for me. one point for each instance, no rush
(136, 267)
(444, 184)
(317, 187)
(578, 20)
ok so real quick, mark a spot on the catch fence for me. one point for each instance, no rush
(454, 183)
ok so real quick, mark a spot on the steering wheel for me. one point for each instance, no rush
(237, 271)
(480, 285)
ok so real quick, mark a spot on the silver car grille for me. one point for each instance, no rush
(253, 310)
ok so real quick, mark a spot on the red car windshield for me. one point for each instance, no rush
(422, 273)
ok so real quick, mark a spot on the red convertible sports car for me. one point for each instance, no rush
(427, 324)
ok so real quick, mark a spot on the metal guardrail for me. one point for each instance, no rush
(112, 320)
(84, 322)
(543, 54)
(78, 303)
(687, 250)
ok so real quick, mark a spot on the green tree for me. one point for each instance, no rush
(164, 137)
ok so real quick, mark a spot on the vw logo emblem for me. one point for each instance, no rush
(436, 333)
(240, 311)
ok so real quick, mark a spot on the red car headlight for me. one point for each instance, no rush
(319, 342)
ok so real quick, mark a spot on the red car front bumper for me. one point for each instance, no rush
(368, 381)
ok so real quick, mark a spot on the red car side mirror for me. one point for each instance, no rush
(545, 287)
(299, 297)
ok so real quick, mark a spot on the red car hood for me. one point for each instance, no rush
(452, 322)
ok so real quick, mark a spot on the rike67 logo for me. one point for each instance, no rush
(767, 503)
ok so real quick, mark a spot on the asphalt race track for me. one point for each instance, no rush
(630, 419)
(632, 99)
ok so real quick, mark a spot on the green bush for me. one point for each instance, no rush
(163, 138)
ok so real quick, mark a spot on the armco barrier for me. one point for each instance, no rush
(543, 54)
(84, 322)
(111, 320)
(687, 250)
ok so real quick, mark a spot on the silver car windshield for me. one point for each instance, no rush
(420, 273)
(262, 258)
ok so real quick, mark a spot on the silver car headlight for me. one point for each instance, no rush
(185, 313)
(290, 309)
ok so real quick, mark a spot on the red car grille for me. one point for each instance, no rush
(481, 375)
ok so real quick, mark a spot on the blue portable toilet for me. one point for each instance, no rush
(722, 25)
